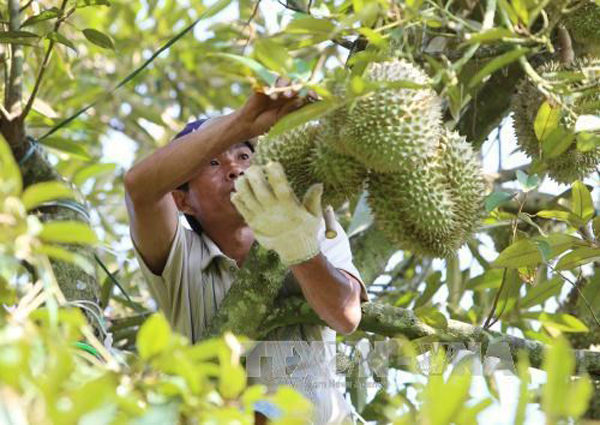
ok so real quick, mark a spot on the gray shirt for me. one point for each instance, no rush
(194, 283)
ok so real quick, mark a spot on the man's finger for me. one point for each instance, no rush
(240, 205)
(244, 192)
(260, 186)
(278, 181)
(291, 107)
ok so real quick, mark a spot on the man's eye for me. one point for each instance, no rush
(214, 163)
(245, 156)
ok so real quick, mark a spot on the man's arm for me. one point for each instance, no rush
(332, 293)
(151, 208)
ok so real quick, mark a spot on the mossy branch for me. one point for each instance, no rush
(392, 321)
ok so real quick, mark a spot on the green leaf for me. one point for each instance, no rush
(62, 254)
(274, 55)
(563, 322)
(557, 142)
(596, 227)
(527, 182)
(16, 36)
(45, 15)
(86, 3)
(67, 146)
(488, 36)
(10, 175)
(496, 64)
(59, 38)
(525, 253)
(99, 38)
(579, 396)
(495, 199)
(546, 121)
(39, 193)
(539, 293)
(92, 171)
(524, 394)
(310, 25)
(432, 316)
(303, 115)
(259, 70)
(153, 337)
(566, 216)
(68, 232)
(578, 257)
(587, 141)
(520, 8)
(581, 201)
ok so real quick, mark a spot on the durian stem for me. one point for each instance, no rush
(567, 55)
(329, 216)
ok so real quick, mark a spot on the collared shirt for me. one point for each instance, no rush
(192, 286)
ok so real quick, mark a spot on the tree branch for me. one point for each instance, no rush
(393, 321)
(44, 65)
(15, 83)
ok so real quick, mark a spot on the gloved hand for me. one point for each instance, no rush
(280, 222)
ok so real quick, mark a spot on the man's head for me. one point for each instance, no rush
(206, 197)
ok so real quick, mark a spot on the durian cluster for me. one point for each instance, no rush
(584, 24)
(424, 181)
(579, 96)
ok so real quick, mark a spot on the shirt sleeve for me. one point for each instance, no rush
(166, 288)
(338, 253)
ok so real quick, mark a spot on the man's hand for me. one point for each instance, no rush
(262, 111)
(279, 221)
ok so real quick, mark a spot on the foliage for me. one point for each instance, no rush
(543, 282)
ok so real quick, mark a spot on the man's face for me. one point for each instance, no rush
(209, 192)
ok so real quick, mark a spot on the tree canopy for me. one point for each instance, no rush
(89, 85)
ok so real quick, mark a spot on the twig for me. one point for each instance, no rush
(15, 83)
(578, 290)
(248, 24)
(45, 62)
(487, 322)
(25, 6)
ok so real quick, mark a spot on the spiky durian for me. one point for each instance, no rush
(414, 208)
(584, 24)
(293, 150)
(386, 128)
(463, 174)
(581, 96)
(342, 176)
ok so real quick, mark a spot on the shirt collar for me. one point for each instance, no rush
(213, 252)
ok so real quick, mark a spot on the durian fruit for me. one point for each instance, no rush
(293, 150)
(432, 206)
(463, 173)
(386, 129)
(342, 176)
(414, 208)
(584, 24)
(572, 164)
(307, 158)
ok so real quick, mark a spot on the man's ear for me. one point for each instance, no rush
(181, 200)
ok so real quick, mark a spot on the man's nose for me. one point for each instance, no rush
(235, 171)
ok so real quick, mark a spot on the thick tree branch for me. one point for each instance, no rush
(393, 321)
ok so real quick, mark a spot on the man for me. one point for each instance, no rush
(189, 272)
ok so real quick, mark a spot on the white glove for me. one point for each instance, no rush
(280, 222)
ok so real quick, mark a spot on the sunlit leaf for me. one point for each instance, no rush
(45, 15)
(578, 257)
(153, 337)
(546, 120)
(303, 115)
(39, 193)
(526, 252)
(10, 176)
(68, 232)
(581, 201)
